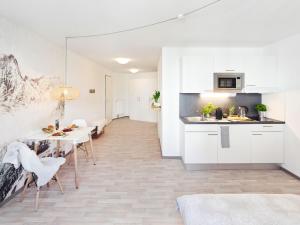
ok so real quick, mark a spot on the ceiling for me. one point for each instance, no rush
(229, 22)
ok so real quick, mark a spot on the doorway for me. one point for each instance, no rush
(140, 92)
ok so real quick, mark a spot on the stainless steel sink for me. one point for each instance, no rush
(195, 119)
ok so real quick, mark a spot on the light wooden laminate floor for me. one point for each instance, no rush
(132, 184)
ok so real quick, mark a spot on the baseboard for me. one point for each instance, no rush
(232, 166)
(171, 157)
(121, 117)
(290, 173)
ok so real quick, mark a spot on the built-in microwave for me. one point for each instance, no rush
(231, 82)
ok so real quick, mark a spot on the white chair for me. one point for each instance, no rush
(82, 143)
(45, 168)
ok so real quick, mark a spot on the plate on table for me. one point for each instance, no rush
(59, 134)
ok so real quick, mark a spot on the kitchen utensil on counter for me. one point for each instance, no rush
(243, 110)
(219, 114)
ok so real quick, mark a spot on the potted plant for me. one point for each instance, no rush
(156, 97)
(262, 110)
(208, 109)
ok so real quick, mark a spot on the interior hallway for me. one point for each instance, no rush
(132, 184)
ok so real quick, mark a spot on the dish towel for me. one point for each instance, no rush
(20, 154)
(225, 141)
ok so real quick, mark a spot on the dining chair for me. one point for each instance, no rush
(44, 169)
(82, 143)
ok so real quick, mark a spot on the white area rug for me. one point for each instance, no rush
(240, 209)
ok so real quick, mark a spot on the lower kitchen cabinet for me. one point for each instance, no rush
(267, 147)
(239, 149)
(201, 144)
(201, 147)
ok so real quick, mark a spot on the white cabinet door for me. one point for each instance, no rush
(267, 147)
(239, 150)
(260, 74)
(196, 74)
(201, 147)
(229, 61)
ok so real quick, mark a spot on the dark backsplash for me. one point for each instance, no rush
(191, 104)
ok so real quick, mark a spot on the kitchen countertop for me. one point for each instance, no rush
(197, 120)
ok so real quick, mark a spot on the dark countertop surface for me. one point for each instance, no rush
(185, 120)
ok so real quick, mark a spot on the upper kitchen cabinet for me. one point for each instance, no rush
(196, 73)
(228, 60)
(260, 74)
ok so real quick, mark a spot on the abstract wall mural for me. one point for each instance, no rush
(17, 90)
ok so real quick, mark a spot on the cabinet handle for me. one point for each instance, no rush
(230, 70)
(267, 126)
(212, 134)
(251, 85)
(257, 134)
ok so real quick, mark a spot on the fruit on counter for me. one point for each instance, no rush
(236, 118)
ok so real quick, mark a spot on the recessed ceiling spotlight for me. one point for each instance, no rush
(134, 70)
(180, 16)
(122, 60)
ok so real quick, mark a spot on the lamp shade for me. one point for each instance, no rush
(65, 93)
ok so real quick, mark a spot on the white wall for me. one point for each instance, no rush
(159, 84)
(170, 74)
(85, 74)
(286, 104)
(38, 57)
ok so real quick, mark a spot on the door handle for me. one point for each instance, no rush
(212, 134)
(257, 134)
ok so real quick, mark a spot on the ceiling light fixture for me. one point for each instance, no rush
(122, 61)
(180, 16)
(65, 92)
(134, 70)
(217, 95)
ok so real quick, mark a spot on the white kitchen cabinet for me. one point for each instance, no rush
(248, 143)
(201, 147)
(196, 74)
(260, 74)
(229, 61)
(239, 150)
(267, 147)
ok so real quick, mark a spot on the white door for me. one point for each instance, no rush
(201, 147)
(267, 147)
(140, 99)
(108, 99)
